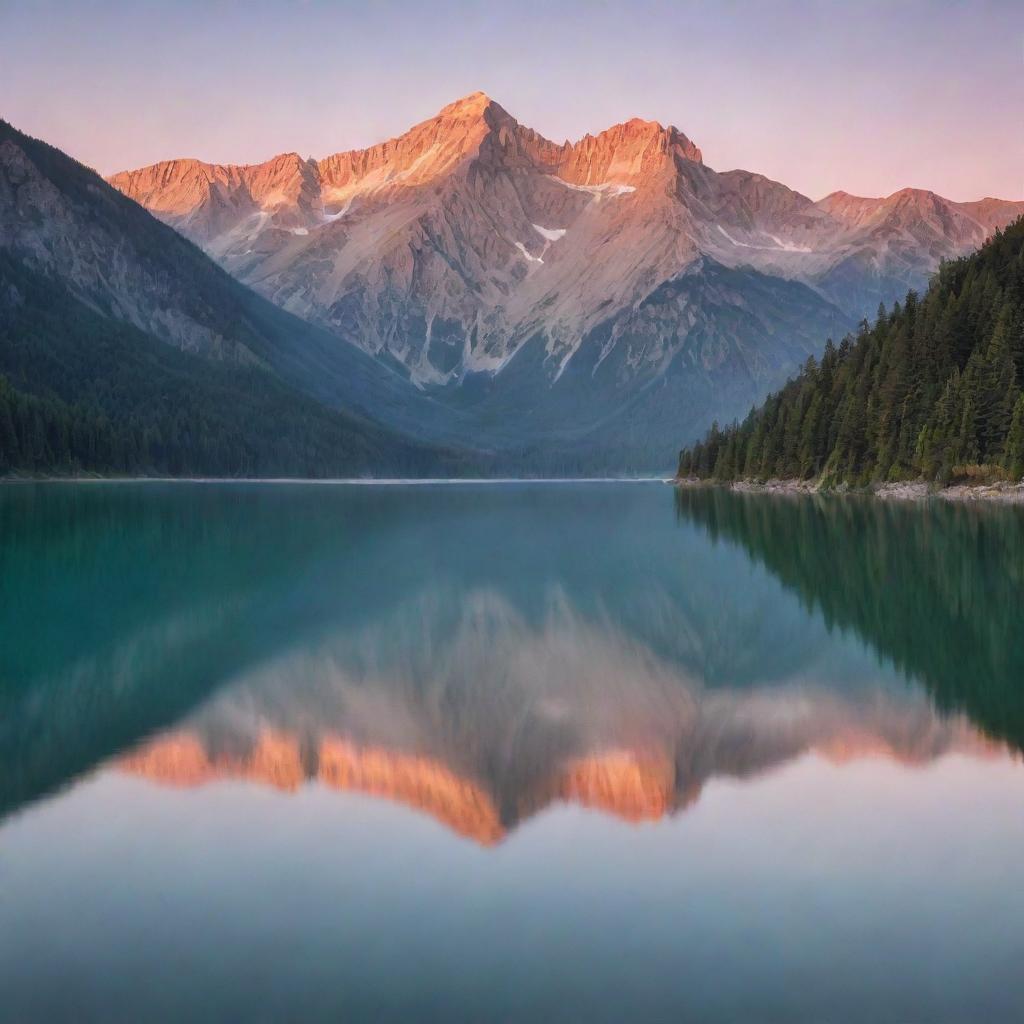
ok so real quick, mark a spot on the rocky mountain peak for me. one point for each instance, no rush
(474, 106)
(627, 153)
(667, 135)
(470, 238)
(429, 150)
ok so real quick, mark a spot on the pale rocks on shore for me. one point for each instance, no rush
(917, 490)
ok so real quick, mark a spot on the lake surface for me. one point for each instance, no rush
(596, 752)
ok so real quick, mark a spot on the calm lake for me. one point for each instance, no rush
(511, 752)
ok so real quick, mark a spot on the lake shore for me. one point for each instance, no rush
(368, 481)
(1003, 491)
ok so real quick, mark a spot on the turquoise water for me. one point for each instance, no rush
(508, 752)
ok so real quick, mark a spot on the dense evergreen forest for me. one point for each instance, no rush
(80, 392)
(933, 390)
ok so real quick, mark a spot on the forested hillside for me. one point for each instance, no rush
(83, 392)
(124, 349)
(933, 390)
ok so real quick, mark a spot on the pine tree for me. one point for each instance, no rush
(1013, 453)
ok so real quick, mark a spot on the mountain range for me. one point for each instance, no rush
(608, 296)
(126, 349)
(468, 297)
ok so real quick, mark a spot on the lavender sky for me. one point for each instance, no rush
(867, 97)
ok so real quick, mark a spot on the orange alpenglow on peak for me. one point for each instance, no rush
(669, 137)
(476, 109)
(474, 102)
(468, 238)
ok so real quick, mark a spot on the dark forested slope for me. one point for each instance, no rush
(123, 348)
(81, 392)
(932, 390)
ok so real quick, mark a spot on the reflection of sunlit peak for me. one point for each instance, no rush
(179, 759)
(275, 759)
(465, 709)
(945, 737)
(620, 782)
(415, 781)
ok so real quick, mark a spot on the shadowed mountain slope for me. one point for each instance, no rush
(127, 349)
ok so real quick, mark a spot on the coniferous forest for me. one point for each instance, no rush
(933, 390)
(81, 392)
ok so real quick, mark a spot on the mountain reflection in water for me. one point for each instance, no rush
(485, 720)
(596, 752)
(482, 653)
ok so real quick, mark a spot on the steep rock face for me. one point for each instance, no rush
(470, 240)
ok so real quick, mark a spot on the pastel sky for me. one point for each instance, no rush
(865, 96)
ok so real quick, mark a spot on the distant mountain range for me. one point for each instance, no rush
(608, 297)
(469, 297)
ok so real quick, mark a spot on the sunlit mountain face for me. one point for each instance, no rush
(609, 296)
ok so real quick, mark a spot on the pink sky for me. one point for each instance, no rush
(867, 97)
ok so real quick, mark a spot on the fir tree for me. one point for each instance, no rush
(1013, 454)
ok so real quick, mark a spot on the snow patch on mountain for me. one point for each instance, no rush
(790, 246)
(551, 234)
(527, 254)
(780, 245)
(606, 188)
(330, 218)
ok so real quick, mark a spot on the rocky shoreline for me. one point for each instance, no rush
(1003, 491)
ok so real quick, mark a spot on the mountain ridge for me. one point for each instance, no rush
(128, 349)
(471, 239)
